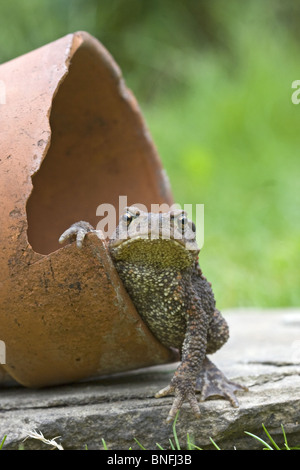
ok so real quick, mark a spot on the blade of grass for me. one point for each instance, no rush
(213, 442)
(190, 444)
(3, 440)
(196, 447)
(259, 439)
(160, 447)
(270, 437)
(174, 431)
(285, 438)
(139, 444)
(171, 444)
(104, 444)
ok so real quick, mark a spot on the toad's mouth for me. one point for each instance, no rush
(188, 245)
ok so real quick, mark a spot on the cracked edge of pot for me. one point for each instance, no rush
(29, 257)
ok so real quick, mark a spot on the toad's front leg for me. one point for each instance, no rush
(77, 232)
(183, 383)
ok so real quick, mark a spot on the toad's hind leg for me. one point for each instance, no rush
(212, 382)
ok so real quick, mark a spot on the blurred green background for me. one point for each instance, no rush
(213, 79)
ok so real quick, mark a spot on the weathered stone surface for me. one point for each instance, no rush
(263, 353)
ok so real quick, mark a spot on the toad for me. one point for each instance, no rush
(156, 257)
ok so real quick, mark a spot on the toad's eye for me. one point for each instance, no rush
(127, 217)
(193, 227)
(182, 222)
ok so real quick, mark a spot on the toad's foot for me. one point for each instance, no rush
(76, 232)
(213, 383)
(183, 391)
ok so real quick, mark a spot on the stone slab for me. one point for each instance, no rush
(263, 353)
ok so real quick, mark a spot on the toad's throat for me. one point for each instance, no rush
(162, 252)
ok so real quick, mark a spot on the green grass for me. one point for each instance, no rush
(272, 445)
(2, 442)
(189, 445)
(214, 83)
(175, 444)
(230, 141)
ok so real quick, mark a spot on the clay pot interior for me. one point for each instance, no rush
(97, 152)
(64, 313)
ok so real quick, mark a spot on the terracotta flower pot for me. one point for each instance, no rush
(72, 137)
